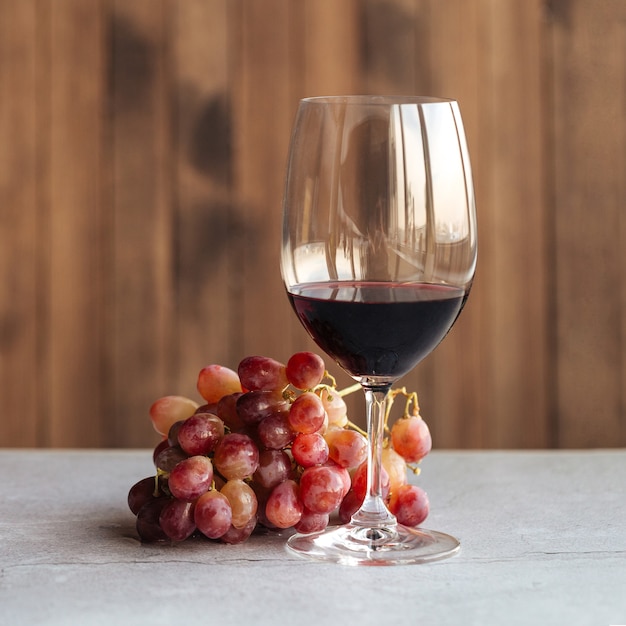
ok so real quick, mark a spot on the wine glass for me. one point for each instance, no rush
(378, 257)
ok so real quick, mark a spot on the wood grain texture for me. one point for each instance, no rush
(515, 275)
(590, 165)
(265, 104)
(139, 214)
(206, 216)
(142, 164)
(75, 342)
(20, 214)
(456, 383)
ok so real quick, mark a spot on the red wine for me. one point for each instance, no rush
(377, 329)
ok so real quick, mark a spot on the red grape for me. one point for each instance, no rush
(410, 505)
(147, 522)
(239, 535)
(169, 458)
(213, 514)
(307, 413)
(305, 370)
(321, 489)
(162, 445)
(191, 478)
(176, 520)
(312, 522)
(227, 411)
(344, 474)
(349, 506)
(140, 493)
(410, 438)
(236, 456)
(359, 481)
(274, 467)
(261, 516)
(254, 406)
(200, 433)
(283, 508)
(309, 449)
(347, 448)
(172, 433)
(260, 373)
(274, 431)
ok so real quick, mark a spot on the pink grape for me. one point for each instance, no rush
(409, 503)
(239, 535)
(359, 481)
(255, 406)
(274, 467)
(312, 522)
(410, 438)
(243, 502)
(343, 473)
(307, 413)
(176, 520)
(236, 456)
(283, 508)
(169, 409)
(216, 381)
(335, 407)
(321, 489)
(191, 478)
(395, 466)
(309, 449)
(347, 448)
(213, 514)
(305, 370)
(261, 373)
(200, 433)
(274, 431)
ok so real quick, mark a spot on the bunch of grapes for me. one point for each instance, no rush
(271, 445)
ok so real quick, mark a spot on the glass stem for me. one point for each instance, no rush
(373, 511)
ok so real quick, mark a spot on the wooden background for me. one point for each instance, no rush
(142, 153)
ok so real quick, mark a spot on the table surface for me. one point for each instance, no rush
(543, 538)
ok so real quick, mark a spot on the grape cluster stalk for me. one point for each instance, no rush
(271, 447)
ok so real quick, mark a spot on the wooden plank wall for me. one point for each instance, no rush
(142, 153)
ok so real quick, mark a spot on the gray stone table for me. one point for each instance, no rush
(543, 542)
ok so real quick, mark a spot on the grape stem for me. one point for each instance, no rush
(411, 400)
(333, 380)
(414, 468)
(348, 390)
(156, 491)
(358, 429)
(411, 406)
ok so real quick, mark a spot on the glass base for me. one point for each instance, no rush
(356, 545)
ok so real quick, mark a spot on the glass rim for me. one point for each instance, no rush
(374, 100)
